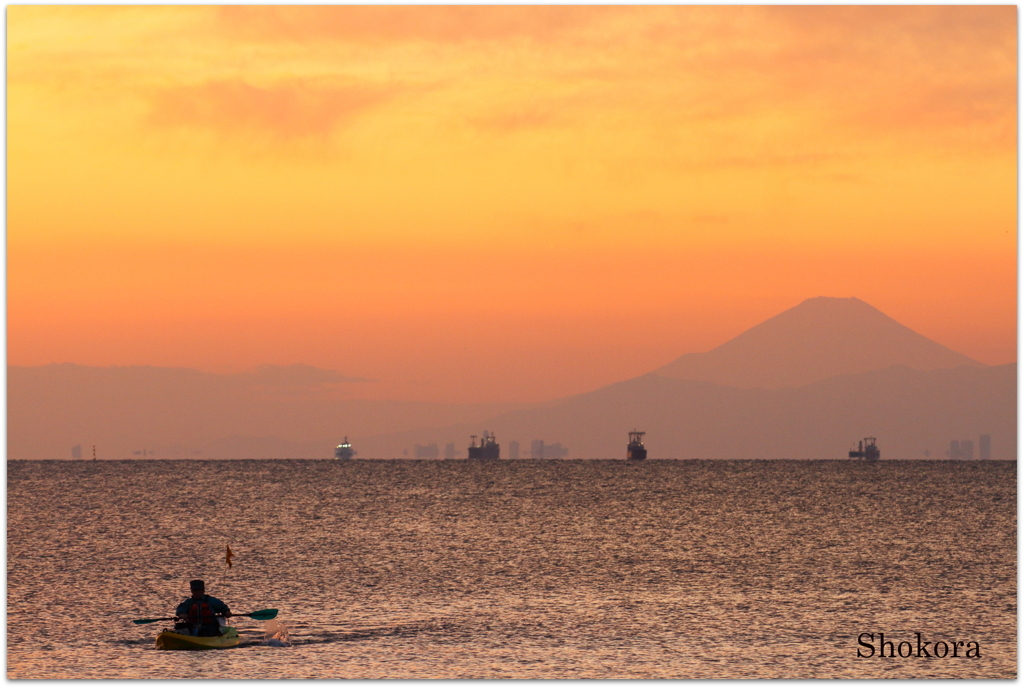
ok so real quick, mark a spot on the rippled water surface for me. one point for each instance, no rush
(514, 569)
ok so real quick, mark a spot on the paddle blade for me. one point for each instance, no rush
(262, 614)
(145, 621)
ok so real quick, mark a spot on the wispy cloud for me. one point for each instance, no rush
(515, 119)
(405, 23)
(288, 109)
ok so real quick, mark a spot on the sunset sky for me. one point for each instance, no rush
(500, 203)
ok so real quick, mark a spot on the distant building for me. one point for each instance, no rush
(449, 450)
(555, 451)
(539, 450)
(954, 450)
(985, 447)
(967, 450)
(513, 449)
(76, 451)
(425, 451)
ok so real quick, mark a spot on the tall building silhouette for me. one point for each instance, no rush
(539, 450)
(425, 451)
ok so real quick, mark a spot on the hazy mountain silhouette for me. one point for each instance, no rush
(273, 411)
(910, 411)
(807, 383)
(821, 338)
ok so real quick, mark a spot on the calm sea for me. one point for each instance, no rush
(515, 569)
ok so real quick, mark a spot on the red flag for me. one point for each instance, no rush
(227, 558)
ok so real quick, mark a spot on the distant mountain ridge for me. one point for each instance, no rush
(271, 412)
(806, 383)
(910, 411)
(818, 339)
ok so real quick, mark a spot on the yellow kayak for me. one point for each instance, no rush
(169, 640)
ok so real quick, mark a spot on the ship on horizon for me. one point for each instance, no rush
(866, 449)
(487, 449)
(344, 450)
(635, 450)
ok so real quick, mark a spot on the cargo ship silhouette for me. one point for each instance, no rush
(635, 450)
(866, 449)
(487, 449)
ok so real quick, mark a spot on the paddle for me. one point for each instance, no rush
(259, 615)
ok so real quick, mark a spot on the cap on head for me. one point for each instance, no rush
(196, 585)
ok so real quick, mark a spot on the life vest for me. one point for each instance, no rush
(201, 613)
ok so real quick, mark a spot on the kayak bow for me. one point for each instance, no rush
(169, 640)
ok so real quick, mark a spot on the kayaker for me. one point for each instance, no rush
(198, 614)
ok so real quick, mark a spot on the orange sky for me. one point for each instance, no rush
(500, 203)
